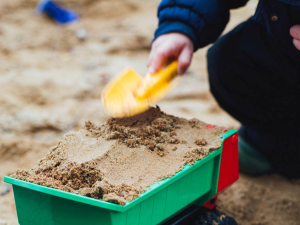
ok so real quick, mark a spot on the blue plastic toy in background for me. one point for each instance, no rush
(61, 14)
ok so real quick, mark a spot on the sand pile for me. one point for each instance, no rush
(118, 160)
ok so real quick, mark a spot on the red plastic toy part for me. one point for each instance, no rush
(229, 168)
(211, 203)
(209, 126)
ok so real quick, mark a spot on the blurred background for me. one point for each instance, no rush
(51, 78)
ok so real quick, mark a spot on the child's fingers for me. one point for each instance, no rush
(297, 43)
(149, 64)
(156, 59)
(184, 59)
(295, 32)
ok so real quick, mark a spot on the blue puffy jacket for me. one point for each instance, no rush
(204, 20)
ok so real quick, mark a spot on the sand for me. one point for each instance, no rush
(118, 160)
(51, 83)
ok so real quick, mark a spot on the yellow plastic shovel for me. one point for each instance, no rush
(130, 94)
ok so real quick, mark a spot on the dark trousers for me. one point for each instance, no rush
(259, 86)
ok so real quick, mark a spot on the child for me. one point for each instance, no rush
(254, 72)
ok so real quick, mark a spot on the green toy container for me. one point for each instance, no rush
(195, 184)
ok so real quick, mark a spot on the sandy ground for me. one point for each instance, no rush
(51, 82)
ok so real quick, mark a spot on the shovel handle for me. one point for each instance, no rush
(157, 81)
(168, 73)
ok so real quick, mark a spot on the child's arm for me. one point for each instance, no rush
(185, 26)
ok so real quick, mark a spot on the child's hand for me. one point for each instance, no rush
(295, 32)
(169, 47)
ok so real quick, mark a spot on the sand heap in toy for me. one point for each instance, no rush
(118, 160)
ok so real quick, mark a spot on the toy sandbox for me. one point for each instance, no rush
(142, 170)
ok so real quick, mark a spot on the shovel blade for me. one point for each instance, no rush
(118, 97)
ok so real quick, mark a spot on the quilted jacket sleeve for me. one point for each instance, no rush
(201, 20)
